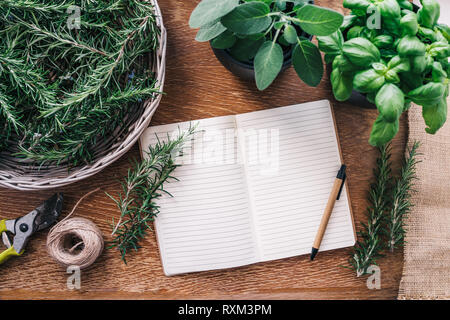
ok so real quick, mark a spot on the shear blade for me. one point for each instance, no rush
(49, 212)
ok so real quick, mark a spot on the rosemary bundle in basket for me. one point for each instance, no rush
(71, 71)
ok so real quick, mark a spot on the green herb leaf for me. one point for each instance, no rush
(290, 34)
(208, 11)
(435, 115)
(248, 18)
(342, 84)
(361, 52)
(411, 46)
(368, 81)
(210, 31)
(429, 13)
(246, 49)
(224, 41)
(331, 44)
(390, 101)
(409, 24)
(383, 131)
(268, 63)
(307, 62)
(427, 94)
(389, 9)
(319, 21)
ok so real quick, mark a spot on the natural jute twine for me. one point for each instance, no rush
(61, 238)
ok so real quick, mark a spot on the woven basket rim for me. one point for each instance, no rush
(11, 179)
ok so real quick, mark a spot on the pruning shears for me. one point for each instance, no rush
(16, 232)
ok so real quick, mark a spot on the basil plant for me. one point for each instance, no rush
(401, 60)
(262, 32)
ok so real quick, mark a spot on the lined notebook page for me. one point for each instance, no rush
(207, 224)
(290, 195)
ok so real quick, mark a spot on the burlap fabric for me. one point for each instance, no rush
(426, 271)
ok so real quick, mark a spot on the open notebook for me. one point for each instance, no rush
(252, 188)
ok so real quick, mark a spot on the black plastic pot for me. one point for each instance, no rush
(246, 71)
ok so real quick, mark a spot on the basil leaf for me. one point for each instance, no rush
(342, 84)
(268, 63)
(399, 64)
(440, 50)
(358, 5)
(354, 32)
(224, 41)
(208, 11)
(319, 21)
(383, 131)
(290, 34)
(210, 31)
(418, 64)
(390, 101)
(368, 81)
(344, 64)
(383, 41)
(248, 18)
(409, 24)
(427, 94)
(361, 52)
(308, 63)
(389, 9)
(429, 14)
(246, 49)
(435, 115)
(438, 74)
(411, 46)
(405, 4)
(332, 43)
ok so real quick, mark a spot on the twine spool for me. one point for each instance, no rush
(75, 241)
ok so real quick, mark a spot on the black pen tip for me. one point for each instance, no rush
(313, 253)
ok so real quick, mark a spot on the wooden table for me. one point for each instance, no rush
(197, 86)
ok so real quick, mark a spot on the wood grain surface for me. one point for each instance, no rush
(197, 86)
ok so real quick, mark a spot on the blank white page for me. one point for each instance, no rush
(290, 179)
(207, 223)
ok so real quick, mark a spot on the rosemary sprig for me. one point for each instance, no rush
(369, 248)
(143, 185)
(64, 90)
(401, 196)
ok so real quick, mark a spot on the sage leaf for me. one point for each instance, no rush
(210, 31)
(208, 11)
(248, 18)
(245, 49)
(307, 62)
(319, 21)
(435, 115)
(290, 34)
(383, 131)
(224, 41)
(390, 101)
(268, 63)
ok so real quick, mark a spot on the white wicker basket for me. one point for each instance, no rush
(16, 174)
